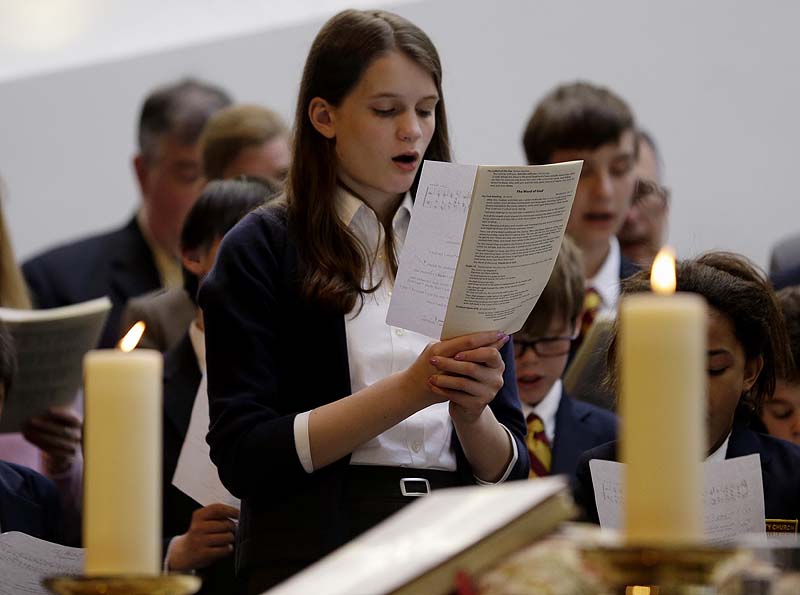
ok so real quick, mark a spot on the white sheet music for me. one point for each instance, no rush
(481, 246)
(50, 347)
(195, 475)
(25, 561)
(734, 496)
(430, 253)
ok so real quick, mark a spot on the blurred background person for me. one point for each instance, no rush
(51, 443)
(246, 140)
(644, 230)
(144, 254)
(240, 140)
(781, 414)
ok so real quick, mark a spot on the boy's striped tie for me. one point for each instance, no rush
(539, 449)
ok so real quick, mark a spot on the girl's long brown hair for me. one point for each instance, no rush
(335, 261)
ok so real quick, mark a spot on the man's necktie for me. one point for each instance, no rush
(539, 449)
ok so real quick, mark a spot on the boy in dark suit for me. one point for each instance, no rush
(560, 428)
(583, 121)
(199, 537)
(29, 502)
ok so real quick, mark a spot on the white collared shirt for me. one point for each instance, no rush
(546, 410)
(168, 267)
(376, 350)
(198, 339)
(606, 281)
(720, 453)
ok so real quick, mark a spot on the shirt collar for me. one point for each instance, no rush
(606, 281)
(348, 206)
(546, 409)
(168, 267)
(198, 339)
(721, 452)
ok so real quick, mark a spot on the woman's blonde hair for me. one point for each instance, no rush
(13, 291)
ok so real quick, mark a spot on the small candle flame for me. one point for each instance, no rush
(662, 275)
(132, 337)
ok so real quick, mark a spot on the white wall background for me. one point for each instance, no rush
(716, 82)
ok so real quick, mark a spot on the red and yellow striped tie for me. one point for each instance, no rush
(591, 306)
(539, 449)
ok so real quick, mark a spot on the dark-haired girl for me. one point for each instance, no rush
(747, 350)
(324, 419)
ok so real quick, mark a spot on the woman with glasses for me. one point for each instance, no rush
(560, 428)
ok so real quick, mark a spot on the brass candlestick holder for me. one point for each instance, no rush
(667, 570)
(166, 584)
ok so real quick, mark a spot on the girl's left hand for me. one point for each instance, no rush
(469, 380)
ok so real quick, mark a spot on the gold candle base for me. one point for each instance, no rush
(167, 584)
(667, 570)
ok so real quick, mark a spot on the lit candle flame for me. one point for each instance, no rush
(662, 275)
(132, 337)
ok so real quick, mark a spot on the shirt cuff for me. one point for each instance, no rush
(514, 457)
(302, 442)
(165, 568)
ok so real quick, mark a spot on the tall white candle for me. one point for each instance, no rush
(122, 481)
(662, 346)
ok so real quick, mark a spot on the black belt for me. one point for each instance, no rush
(371, 481)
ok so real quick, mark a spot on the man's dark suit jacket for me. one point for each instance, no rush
(167, 314)
(271, 355)
(118, 264)
(780, 461)
(29, 503)
(786, 278)
(579, 427)
(181, 381)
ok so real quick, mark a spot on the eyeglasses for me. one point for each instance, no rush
(647, 188)
(544, 346)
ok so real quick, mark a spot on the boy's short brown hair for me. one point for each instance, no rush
(789, 300)
(562, 297)
(575, 116)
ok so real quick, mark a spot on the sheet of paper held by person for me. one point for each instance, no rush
(25, 561)
(734, 496)
(195, 474)
(50, 347)
(481, 246)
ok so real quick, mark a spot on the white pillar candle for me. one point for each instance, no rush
(122, 482)
(662, 350)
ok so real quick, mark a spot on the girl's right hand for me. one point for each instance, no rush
(418, 375)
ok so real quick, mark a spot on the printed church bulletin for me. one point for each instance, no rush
(481, 246)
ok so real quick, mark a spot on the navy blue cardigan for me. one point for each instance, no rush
(271, 355)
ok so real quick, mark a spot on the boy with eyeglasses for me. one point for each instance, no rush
(560, 428)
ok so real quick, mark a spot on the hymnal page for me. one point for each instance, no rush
(431, 530)
(25, 561)
(195, 475)
(481, 246)
(430, 252)
(513, 234)
(733, 499)
(50, 347)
